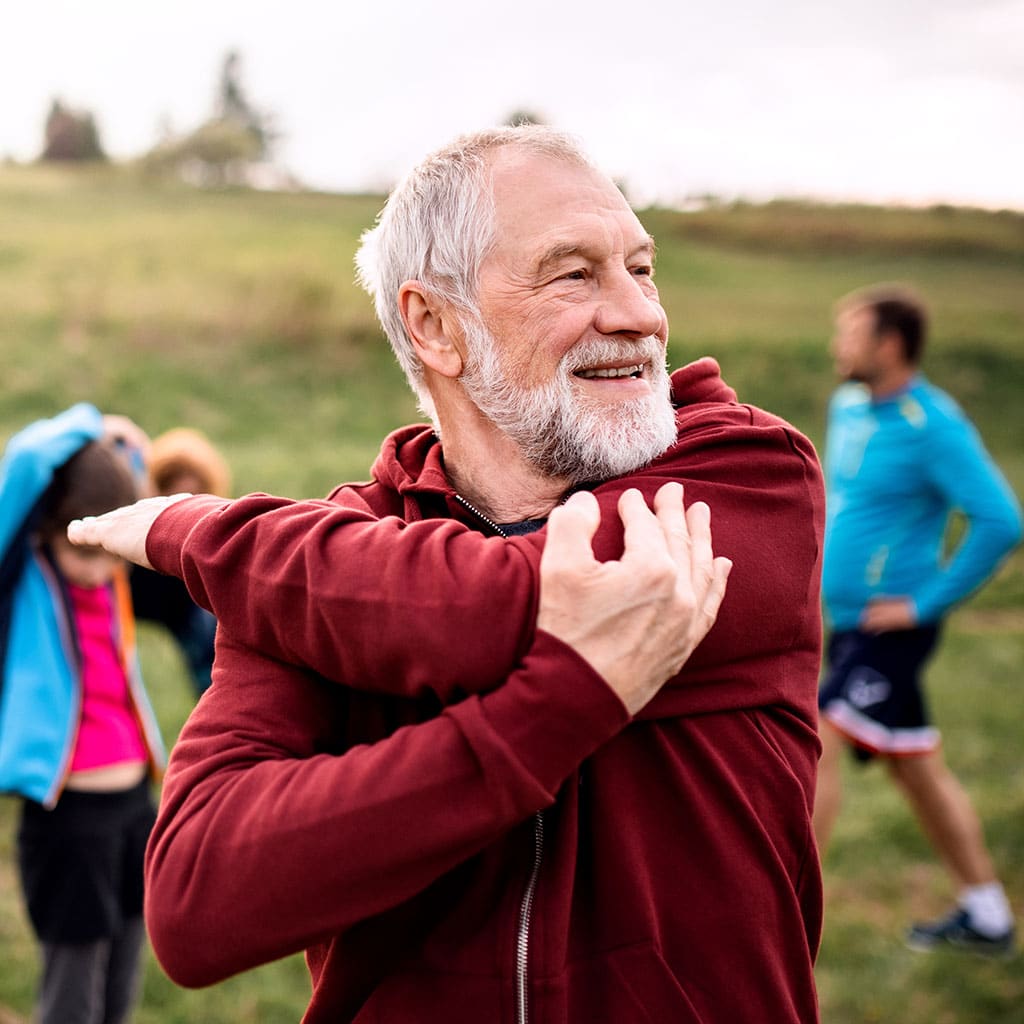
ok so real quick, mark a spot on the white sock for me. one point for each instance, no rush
(988, 908)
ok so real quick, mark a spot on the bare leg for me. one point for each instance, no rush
(829, 794)
(946, 814)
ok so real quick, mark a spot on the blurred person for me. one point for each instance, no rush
(78, 740)
(448, 750)
(183, 459)
(901, 458)
(179, 460)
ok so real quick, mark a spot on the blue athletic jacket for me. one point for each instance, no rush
(895, 469)
(40, 682)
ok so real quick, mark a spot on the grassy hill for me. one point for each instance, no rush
(236, 312)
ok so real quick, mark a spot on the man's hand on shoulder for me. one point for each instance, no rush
(123, 531)
(635, 620)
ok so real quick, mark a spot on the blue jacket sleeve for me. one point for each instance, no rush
(964, 473)
(31, 457)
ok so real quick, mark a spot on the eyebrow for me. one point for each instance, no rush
(567, 250)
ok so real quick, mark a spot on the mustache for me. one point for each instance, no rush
(604, 351)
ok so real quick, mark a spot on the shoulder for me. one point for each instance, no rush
(741, 447)
(939, 406)
(715, 428)
(936, 417)
(849, 398)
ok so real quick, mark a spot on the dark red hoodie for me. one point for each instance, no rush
(525, 846)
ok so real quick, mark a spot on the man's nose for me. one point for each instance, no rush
(627, 307)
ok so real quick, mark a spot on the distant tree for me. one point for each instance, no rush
(518, 117)
(234, 108)
(224, 148)
(70, 135)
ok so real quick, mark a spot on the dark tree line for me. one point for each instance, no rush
(219, 151)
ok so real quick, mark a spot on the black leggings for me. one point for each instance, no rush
(81, 873)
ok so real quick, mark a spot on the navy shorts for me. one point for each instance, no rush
(872, 690)
(81, 863)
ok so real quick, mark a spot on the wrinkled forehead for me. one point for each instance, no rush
(541, 201)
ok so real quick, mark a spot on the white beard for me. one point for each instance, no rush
(559, 432)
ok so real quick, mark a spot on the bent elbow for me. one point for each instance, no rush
(1008, 533)
(1016, 532)
(188, 958)
(182, 921)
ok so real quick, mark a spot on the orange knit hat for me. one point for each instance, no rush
(186, 452)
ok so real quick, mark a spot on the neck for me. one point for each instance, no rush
(487, 469)
(503, 488)
(892, 382)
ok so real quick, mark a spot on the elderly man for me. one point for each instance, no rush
(444, 763)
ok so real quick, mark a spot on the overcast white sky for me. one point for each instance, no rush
(880, 100)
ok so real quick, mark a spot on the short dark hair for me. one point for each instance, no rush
(94, 480)
(897, 308)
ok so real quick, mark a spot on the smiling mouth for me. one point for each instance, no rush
(634, 372)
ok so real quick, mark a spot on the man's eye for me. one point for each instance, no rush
(575, 275)
(644, 271)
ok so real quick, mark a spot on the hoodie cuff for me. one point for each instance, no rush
(171, 529)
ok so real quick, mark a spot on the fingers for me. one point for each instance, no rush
(635, 619)
(686, 535)
(685, 532)
(721, 567)
(123, 531)
(646, 538)
(571, 528)
(673, 520)
(698, 521)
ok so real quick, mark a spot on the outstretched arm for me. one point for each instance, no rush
(274, 772)
(376, 602)
(373, 602)
(353, 583)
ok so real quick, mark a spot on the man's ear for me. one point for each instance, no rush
(434, 328)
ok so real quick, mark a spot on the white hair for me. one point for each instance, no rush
(438, 225)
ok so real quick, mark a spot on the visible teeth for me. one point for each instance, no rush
(614, 371)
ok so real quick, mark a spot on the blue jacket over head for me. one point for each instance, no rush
(40, 679)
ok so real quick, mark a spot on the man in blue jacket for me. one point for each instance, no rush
(900, 459)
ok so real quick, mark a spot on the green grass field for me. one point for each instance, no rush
(237, 313)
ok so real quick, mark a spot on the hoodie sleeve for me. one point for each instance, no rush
(282, 822)
(377, 603)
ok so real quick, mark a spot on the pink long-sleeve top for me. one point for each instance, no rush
(108, 731)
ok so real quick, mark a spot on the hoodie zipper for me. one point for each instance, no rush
(525, 916)
(526, 900)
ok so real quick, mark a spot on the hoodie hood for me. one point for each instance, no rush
(700, 381)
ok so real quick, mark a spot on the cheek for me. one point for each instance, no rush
(534, 346)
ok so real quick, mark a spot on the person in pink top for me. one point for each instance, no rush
(69, 671)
